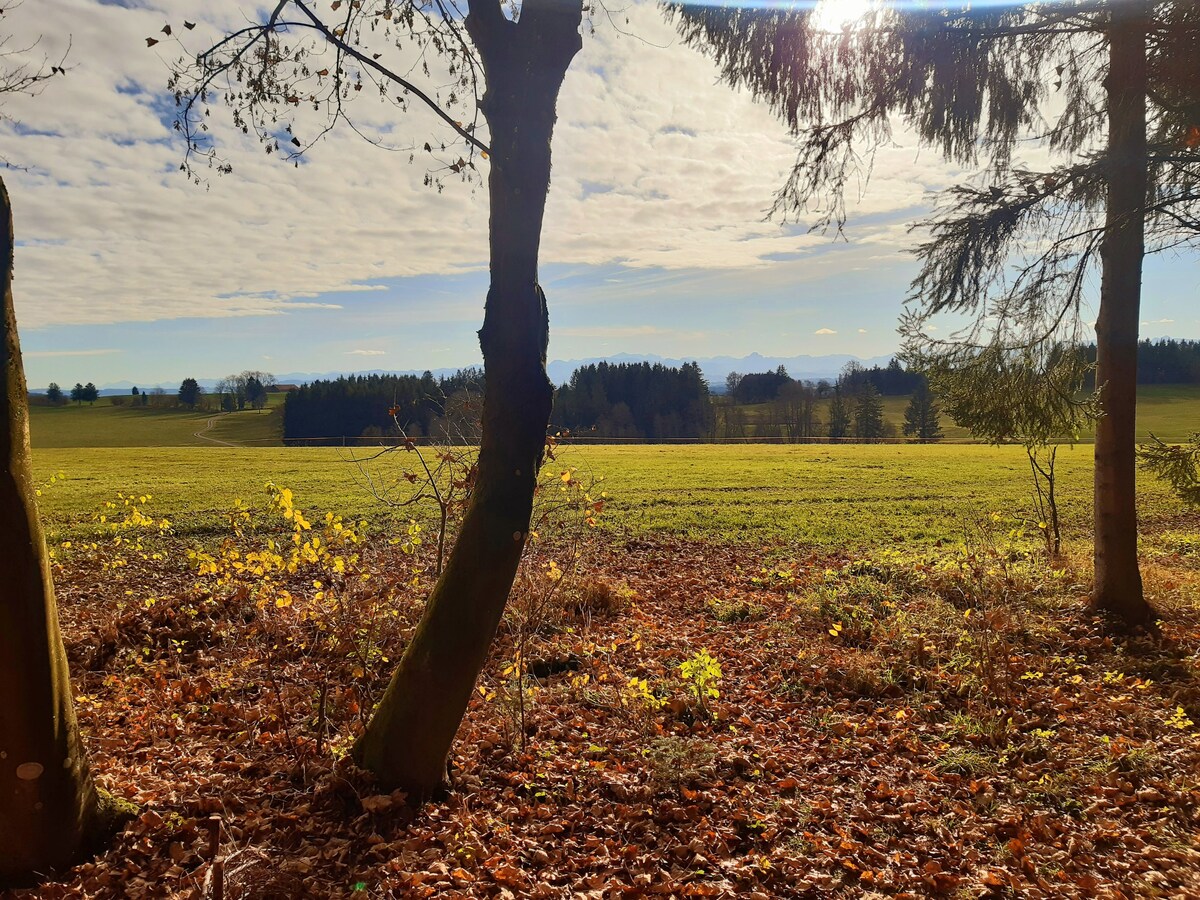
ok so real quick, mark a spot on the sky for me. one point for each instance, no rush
(655, 239)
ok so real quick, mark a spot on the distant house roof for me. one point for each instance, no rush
(285, 387)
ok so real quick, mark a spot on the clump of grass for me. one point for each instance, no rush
(729, 611)
(966, 761)
(597, 598)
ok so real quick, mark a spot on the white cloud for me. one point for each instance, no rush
(824, 331)
(1160, 322)
(42, 354)
(862, 331)
(615, 331)
(366, 352)
(656, 164)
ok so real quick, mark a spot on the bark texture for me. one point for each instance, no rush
(407, 741)
(1118, 585)
(49, 809)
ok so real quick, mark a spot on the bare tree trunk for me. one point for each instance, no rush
(49, 809)
(408, 739)
(1118, 587)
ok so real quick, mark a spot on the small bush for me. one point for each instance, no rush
(675, 761)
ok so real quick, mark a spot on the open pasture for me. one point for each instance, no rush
(829, 496)
(106, 424)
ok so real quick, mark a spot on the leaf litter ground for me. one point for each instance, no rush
(942, 724)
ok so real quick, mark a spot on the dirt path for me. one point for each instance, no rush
(202, 434)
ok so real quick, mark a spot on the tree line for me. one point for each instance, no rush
(81, 393)
(1165, 361)
(247, 389)
(634, 400)
(623, 401)
(374, 406)
(773, 405)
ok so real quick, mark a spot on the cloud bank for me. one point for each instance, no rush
(656, 165)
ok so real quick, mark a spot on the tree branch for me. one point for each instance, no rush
(365, 60)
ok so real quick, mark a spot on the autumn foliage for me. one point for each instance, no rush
(659, 717)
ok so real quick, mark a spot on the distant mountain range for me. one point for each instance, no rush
(715, 369)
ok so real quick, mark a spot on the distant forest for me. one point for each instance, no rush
(1167, 361)
(634, 400)
(375, 406)
(650, 401)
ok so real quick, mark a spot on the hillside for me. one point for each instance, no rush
(107, 425)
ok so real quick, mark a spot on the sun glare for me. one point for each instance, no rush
(834, 15)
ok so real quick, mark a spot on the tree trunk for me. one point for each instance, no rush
(408, 739)
(1118, 586)
(49, 808)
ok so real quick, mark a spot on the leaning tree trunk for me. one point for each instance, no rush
(408, 739)
(49, 808)
(1118, 587)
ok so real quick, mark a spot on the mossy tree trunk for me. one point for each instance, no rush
(408, 739)
(49, 809)
(1118, 585)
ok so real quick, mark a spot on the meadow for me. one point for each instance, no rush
(850, 495)
(846, 495)
(105, 424)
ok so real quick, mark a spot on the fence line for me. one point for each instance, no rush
(426, 441)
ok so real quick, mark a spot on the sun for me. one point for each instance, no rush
(834, 15)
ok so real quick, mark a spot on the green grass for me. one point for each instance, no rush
(252, 427)
(843, 496)
(125, 425)
(1170, 411)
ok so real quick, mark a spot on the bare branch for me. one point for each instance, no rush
(365, 60)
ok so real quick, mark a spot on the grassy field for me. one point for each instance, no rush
(108, 425)
(846, 495)
(1169, 411)
(251, 427)
(820, 495)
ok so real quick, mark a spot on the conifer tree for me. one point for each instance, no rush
(839, 416)
(1110, 88)
(922, 418)
(868, 413)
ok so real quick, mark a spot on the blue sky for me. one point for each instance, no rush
(654, 242)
